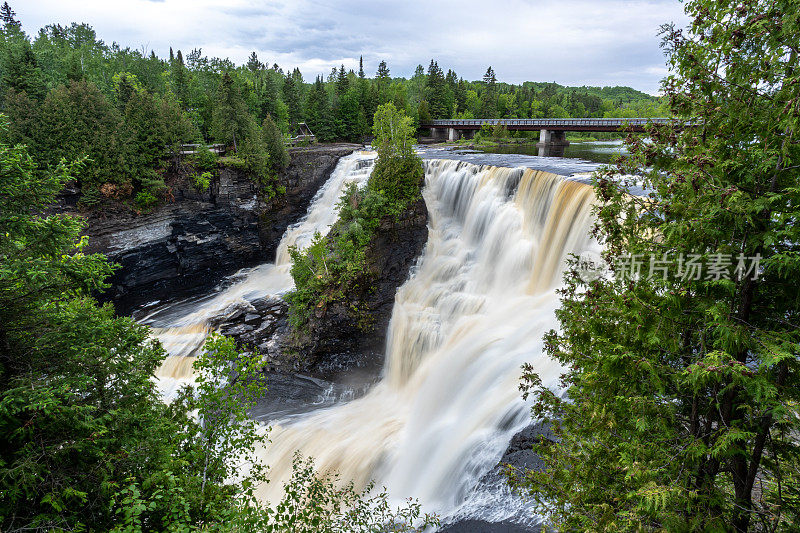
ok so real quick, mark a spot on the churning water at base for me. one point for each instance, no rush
(473, 311)
(183, 329)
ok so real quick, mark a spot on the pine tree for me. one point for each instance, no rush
(274, 145)
(318, 112)
(361, 68)
(253, 64)
(382, 82)
(435, 92)
(683, 380)
(231, 121)
(342, 83)
(20, 68)
(489, 96)
(383, 71)
(293, 96)
(8, 17)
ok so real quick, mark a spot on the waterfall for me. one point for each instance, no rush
(182, 329)
(473, 311)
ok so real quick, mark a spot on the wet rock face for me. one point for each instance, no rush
(254, 324)
(333, 338)
(190, 244)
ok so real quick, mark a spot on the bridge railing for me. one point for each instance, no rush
(545, 122)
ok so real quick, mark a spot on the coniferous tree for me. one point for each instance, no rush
(683, 379)
(489, 96)
(293, 96)
(318, 112)
(342, 83)
(8, 17)
(382, 81)
(231, 120)
(274, 145)
(435, 92)
(361, 73)
(78, 119)
(253, 63)
(20, 68)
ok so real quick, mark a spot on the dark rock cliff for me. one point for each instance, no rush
(338, 336)
(196, 240)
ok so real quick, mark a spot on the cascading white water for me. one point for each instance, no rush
(182, 334)
(473, 311)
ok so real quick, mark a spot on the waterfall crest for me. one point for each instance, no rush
(473, 311)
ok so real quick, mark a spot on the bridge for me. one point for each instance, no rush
(552, 131)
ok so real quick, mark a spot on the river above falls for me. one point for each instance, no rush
(579, 160)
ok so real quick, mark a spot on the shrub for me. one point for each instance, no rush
(204, 159)
(145, 200)
(202, 181)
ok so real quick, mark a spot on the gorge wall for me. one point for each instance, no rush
(200, 237)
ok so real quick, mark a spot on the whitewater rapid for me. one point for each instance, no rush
(473, 311)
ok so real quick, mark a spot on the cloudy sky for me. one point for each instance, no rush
(572, 42)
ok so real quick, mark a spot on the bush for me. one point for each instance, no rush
(145, 200)
(202, 181)
(204, 159)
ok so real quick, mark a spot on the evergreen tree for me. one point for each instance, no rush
(683, 378)
(231, 120)
(342, 83)
(253, 64)
(8, 17)
(20, 68)
(435, 92)
(318, 112)
(361, 67)
(275, 145)
(382, 82)
(383, 71)
(293, 96)
(77, 119)
(489, 96)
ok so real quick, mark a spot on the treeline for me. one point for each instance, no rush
(65, 91)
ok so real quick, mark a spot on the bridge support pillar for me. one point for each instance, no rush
(552, 143)
(452, 134)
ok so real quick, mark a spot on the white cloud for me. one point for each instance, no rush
(575, 42)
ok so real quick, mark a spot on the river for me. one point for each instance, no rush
(445, 404)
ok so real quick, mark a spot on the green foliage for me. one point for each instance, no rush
(318, 503)
(86, 444)
(204, 159)
(682, 393)
(231, 122)
(274, 143)
(333, 266)
(202, 181)
(78, 412)
(145, 200)
(78, 120)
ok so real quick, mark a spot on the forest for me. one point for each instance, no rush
(674, 405)
(65, 92)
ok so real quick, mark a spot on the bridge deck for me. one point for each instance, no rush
(551, 124)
